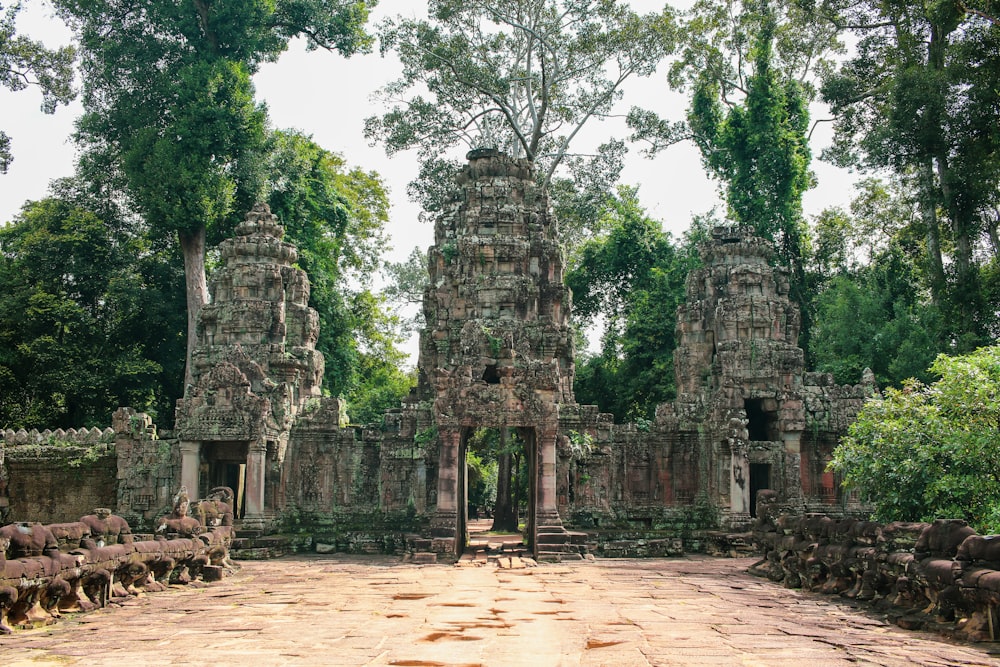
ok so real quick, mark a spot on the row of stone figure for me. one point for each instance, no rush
(46, 571)
(941, 575)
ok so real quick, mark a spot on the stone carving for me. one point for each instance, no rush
(939, 576)
(46, 571)
(106, 528)
(497, 349)
(255, 365)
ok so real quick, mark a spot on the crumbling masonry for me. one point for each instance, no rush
(496, 352)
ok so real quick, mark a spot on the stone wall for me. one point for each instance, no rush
(53, 476)
(147, 471)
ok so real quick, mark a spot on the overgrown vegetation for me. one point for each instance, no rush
(930, 451)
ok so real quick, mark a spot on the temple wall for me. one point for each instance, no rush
(148, 469)
(55, 476)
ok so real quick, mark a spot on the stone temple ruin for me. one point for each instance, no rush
(497, 352)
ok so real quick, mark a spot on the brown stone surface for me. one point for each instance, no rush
(344, 610)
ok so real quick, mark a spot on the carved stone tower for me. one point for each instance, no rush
(497, 350)
(254, 367)
(739, 372)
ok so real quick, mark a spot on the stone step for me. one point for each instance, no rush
(558, 557)
(424, 558)
(560, 548)
(420, 544)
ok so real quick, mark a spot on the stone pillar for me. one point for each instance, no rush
(792, 481)
(256, 469)
(546, 500)
(444, 525)
(191, 467)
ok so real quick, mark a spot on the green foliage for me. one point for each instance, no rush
(759, 151)
(88, 319)
(931, 451)
(522, 76)
(426, 436)
(919, 98)
(875, 319)
(868, 281)
(336, 217)
(634, 277)
(169, 103)
(23, 63)
(580, 444)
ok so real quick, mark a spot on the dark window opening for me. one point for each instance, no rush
(761, 424)
(490, 375)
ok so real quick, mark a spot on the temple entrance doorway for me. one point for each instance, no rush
(226, 465)
(760, 479)
(497, 487)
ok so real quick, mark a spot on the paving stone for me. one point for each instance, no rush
(351, 610)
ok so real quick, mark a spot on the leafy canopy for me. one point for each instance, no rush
(25, 62)
(931, 451)
(522, 76)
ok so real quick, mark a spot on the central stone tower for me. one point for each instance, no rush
(497, 350)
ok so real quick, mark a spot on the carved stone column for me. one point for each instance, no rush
(546, 507)
(191, 467)
(444, 525)
(256, 471)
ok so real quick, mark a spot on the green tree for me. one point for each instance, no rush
(169, 102)
(920, 98)
(522, 76)
(750, 66)
(868, 286)
(336, 217)
(85, 319)
(25, 62)
(632, 276)
(931, 451)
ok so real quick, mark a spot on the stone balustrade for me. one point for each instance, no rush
(49, 570)
(939, 576)
(83, 436)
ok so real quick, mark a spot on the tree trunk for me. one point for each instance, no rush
(196, 288)
(504, 514)
(928, 214)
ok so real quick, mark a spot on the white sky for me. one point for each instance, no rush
(329, 97)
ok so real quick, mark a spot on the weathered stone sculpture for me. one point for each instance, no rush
(39, 581)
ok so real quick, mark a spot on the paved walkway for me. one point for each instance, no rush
(345, 610)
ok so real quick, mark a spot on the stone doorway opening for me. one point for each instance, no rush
(226, 465)
(760, 479)
(497, 486)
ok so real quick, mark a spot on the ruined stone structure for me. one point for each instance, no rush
(254, 368)
(746, 417)
(496, 352)
(940, 576)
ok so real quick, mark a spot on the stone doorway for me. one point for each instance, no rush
(522, 484)
(760, 479)
(225, 464)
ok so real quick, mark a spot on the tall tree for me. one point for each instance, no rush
(920, 98)
(86, 323)
(751, 67)
(523, 76)
(632, 277)
(168, 100)
(869, 288)
(25, 62)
